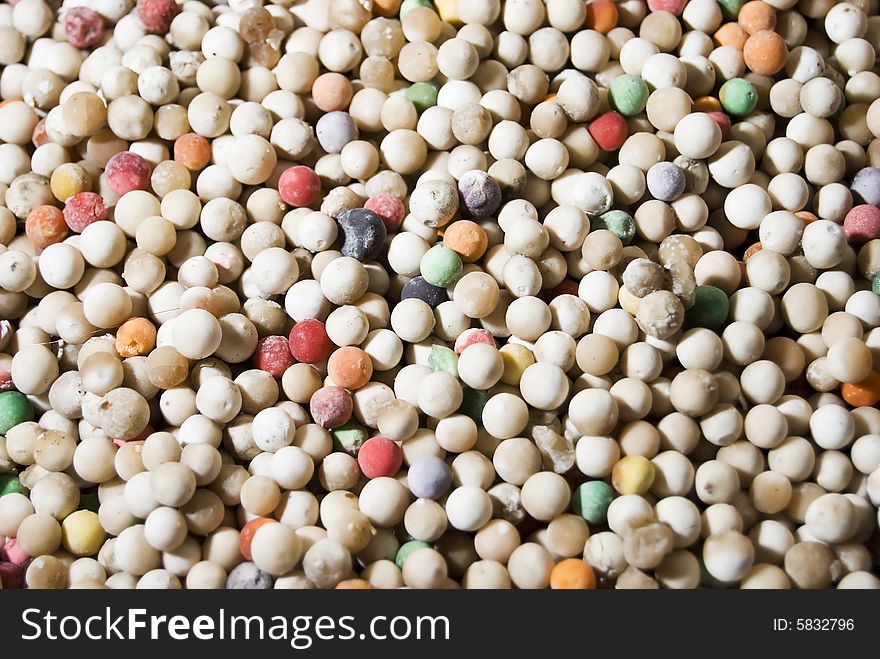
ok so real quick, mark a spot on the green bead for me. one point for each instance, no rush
(620, 223)
(408, 548)
(9, 484)
(472, 403)
(710, 309)
(591, 501)
(349, 437)
(443, 359)
(408, 5)
(730, 8)
(440, 266)
(628, 94)
(738, 96)
(875, 284)
(15, 408)
(423, 95)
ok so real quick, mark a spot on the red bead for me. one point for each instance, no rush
(723, 122)
(379, 456)
(862, 224)
(127, 171)
(565, 287)
(309, 342)
(472, 336)
(609, 130)
(273, 355)
(331, 407)
(11, 576)
(389, 208)
(6, 373)
(82, 209)
(84, 27)
(156, 15)
(299, 186)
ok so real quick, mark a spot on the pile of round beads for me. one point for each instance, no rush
(471, 293)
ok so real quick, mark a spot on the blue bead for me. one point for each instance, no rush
(418, 288)
(247, 576)
(866, 186)
(479, 193)
(429, 478)
(364, 234)
(334, 130)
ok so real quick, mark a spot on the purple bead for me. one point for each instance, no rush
(665, 181)
(364, 233)
(247, 576)
(866, 186)
(479, 193)
(429, 478)
(334, 130)
(417, 287)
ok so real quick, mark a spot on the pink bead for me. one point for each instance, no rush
(15, 554)
(84, 27)
(331, 407)
(82, 209)
(389, 208)
(127, 171)
(862, 224)
(472, 336)
(156, 15)
(675, 7)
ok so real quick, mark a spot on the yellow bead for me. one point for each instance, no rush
(633, 474)
(628, 301)
(69, 179)
(516, 359)
(447, 11)
(82, 534)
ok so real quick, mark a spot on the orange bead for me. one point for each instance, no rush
(136, 336)
(192, 151)
(572, 574)
(246, 537)
(731, 34)
(40, 137)
(386, 8)
(755, 16)
(350, 368)
(601, 16)
(354, 584)
(751, 251)
(765, 53)
(332, 91)
(707, 104)
(466, 238)
(865, 393)
(45, 226)
(806, 216)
